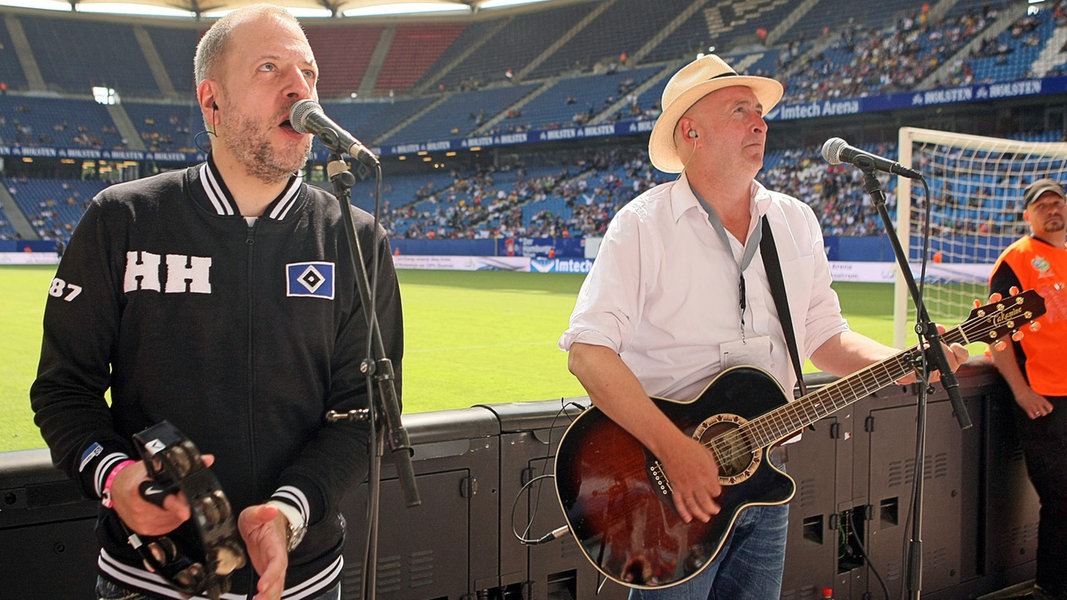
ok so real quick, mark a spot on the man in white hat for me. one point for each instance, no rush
(679, 292)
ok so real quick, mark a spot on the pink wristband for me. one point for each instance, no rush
(106, 495)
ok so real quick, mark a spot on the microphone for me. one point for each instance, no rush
(307, 116)
(837, 150)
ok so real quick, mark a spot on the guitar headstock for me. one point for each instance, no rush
(1002, 317)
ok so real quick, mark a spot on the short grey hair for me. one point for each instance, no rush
(213, 44)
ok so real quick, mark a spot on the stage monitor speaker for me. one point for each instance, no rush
(815, 464)
(446, 548)
(556, 570)
(892, 472)
(47, 541)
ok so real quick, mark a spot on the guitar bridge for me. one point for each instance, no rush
(659, 479)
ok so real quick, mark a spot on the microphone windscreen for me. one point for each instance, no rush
(299, 112)
(831, 150)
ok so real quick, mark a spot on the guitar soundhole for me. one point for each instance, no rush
(738, 458)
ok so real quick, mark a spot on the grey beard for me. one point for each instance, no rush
(259, 163)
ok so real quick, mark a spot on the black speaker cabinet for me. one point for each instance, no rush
(556, 570)
(47, 541)
(445, 548)
(821, 466)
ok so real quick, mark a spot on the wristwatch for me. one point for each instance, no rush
(297, 527)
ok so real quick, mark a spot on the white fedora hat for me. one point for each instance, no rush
(691, 83)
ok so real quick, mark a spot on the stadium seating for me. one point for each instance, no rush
(173, 46)
(575, 100)
(441, 75)
(437, 80)
(372, 119)
(864, 61)
(461, 114)
(58, 122)
(7, 231)
(514, 42)
(343, 54)
(611, 37)
(414, 49)
(1012, 54)
(831, 17)
(75, 54)
(52, 206)
(165, 127)
(11, 74)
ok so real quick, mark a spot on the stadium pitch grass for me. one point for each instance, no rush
(472, 337)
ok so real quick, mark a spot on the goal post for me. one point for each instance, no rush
(976, 185)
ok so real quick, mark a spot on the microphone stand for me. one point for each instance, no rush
(929, 334)
(380, 375)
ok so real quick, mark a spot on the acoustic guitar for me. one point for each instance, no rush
(616, 496)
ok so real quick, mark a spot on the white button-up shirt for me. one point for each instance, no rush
(663, 291)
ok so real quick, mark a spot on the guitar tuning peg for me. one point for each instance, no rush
(1000, 345)
(1017, 336)
(1035, 326)
(977, 303)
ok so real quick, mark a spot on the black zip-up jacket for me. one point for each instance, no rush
(241, 335)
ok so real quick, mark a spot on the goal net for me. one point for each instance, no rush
(976, 186)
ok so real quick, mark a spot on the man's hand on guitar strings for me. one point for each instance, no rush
(694, 478)
(142, 516)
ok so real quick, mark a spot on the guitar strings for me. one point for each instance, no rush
(769, 428)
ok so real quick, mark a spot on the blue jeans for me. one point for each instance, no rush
(105, 590)
(749, 567)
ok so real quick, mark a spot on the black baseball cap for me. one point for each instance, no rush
(1039, 187)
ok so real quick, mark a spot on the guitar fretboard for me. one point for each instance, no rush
(987, 324)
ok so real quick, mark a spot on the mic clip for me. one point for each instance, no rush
(356, 415)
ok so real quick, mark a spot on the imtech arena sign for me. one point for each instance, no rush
(560, 265)
(811, 110)
(935, 97)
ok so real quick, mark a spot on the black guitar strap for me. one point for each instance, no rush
(774, 272)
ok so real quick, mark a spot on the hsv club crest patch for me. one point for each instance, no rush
(310, 279)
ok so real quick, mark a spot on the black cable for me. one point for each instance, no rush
(555, 533)
(559, 531)
(870, 563)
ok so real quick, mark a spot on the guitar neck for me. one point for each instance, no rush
(785, 421)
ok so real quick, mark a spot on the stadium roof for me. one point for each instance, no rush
(324, 8)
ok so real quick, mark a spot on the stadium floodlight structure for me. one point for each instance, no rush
(976, 187)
